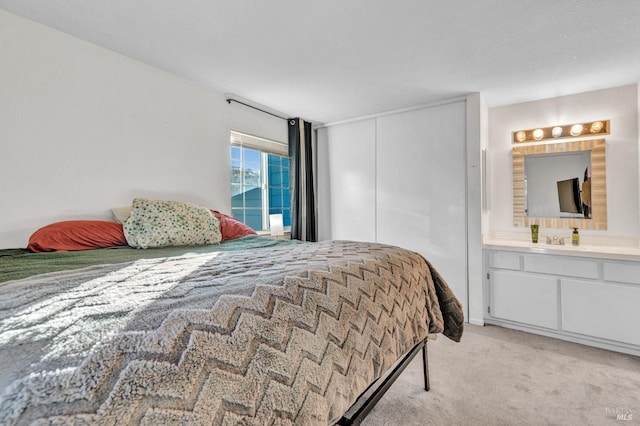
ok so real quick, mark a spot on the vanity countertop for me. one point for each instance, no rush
(597, 251)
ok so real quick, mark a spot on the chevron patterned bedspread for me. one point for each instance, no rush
(284, 335)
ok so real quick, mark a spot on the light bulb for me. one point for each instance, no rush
(538, 134)
(556, 132)
(596, 126)
(576, 129)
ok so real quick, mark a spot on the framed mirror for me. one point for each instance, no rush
(561, 185)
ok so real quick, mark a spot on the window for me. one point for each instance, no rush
(259, 180)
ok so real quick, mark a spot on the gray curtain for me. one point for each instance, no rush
(301, 169)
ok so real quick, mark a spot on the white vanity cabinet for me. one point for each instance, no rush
(579, 297)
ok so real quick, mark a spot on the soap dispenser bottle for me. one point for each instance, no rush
(575, 237)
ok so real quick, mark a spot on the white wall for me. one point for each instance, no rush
(84, 129)
(620, 105)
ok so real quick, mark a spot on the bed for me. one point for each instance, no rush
(252, 330)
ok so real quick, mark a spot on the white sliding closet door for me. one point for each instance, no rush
(346, 182)
(421, 187)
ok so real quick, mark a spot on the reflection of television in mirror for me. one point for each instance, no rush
(569, 195)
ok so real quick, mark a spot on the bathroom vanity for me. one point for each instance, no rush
(588, 293)
(584, 294)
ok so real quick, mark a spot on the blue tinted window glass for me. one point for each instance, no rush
(248, 181)
(286, 217)
(275, 198)
(253, 219)
(253, 197)
(238, 214)
(275, 176)
(252, 166)
(236, 178)
(278, 191)
(252, 177)
(251, 156)
(274, 160)
(237, 201)
(235, 152)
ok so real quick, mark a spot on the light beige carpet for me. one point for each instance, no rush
(497, 376)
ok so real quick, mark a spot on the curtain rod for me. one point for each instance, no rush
(256, 108)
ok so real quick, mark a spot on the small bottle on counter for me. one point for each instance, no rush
(575, 237)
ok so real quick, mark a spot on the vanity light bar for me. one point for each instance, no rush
(593, 128)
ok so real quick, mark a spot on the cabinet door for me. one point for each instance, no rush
(525, 298)
(608, 311)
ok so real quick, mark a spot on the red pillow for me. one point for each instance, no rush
(77, 235)
(231, 228)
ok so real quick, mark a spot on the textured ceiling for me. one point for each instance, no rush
(332, 60)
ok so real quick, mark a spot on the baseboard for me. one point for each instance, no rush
(569, 337)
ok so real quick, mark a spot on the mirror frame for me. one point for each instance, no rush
(598, 219)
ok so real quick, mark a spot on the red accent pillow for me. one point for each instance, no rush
(74, 235)
(231, 228)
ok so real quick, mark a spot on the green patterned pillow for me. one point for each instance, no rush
(156, 223)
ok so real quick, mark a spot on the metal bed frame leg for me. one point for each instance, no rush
(365, 404)
(425, 367)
